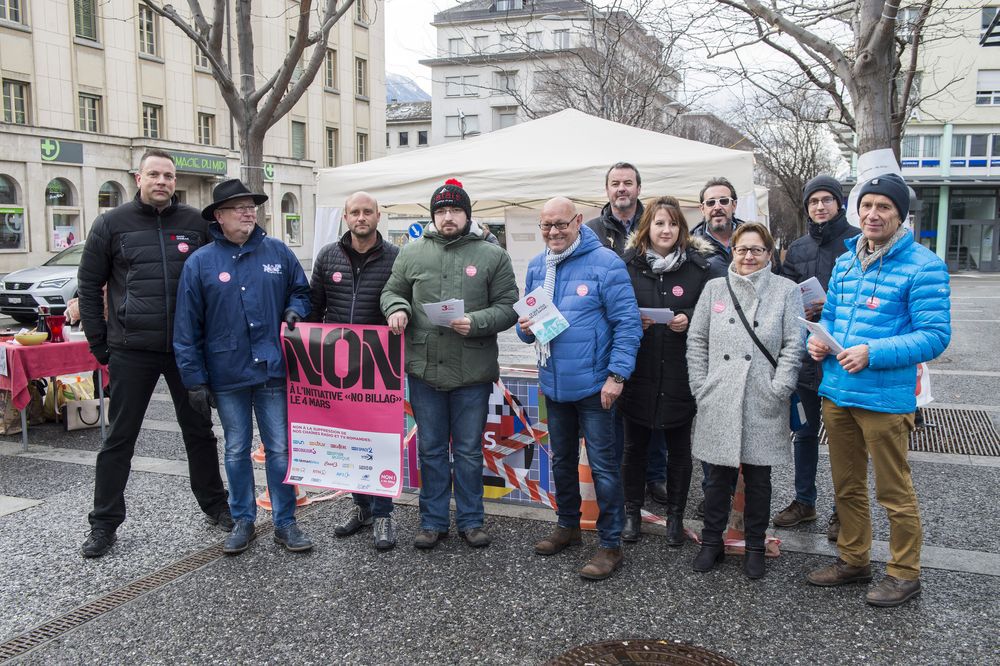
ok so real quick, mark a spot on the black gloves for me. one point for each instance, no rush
(202, 400)
(292, 318)
(102, 354)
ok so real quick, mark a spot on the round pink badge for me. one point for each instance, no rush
(872, 302)
(678, 291)
(470, 270)
(337, 277)
(225, 277)
(387, 478)
(530, 300)
(718, 306)
(582, 290)
(183, 248)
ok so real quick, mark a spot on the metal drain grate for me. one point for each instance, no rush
(640, 651)
(53, 629)
(962, 431)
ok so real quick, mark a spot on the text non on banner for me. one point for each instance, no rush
(345, 408)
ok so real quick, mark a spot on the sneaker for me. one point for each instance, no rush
(892, 591)
(99, 542)
(292, 538)
(223, 518)
(840, 573)
(239, 539)
(354, 519)
(833, 527)
(384, 533)
(476, 537)
(427, 539)
(795, 513)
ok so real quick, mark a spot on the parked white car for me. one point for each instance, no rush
(51, 285)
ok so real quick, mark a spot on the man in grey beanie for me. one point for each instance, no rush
(813, 256)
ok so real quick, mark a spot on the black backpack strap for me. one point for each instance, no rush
(746, 324)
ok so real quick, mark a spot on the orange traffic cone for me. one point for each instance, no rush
(735, 538)
(264, 500)
(258, 454)
(588, 496)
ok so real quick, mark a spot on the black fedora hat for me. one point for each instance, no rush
(230, 189)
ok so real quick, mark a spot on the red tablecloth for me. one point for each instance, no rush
(45, 360)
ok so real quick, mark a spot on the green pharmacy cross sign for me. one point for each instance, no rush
(268, 171)
(53, 150)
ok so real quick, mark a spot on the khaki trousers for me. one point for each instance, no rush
(854, 434)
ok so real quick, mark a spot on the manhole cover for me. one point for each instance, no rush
(963, 431)
(639, 651)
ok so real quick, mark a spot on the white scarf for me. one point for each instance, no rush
(671, 262)
(542, 351)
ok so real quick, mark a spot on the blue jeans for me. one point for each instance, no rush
(457, 417)
(566, 421)
(806, 442)
(376, 505)
(269, 403)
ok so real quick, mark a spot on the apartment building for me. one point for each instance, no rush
(950, 151)
(88, 86)
(407, 126)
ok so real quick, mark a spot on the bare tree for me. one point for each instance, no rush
(256, 103)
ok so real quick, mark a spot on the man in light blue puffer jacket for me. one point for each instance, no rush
(888, 306)
(581, 373)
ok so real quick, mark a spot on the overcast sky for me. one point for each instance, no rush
(409, 37)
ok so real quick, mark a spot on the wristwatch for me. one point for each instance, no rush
(618, 378)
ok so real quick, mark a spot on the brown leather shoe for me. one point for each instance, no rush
(604, 563)
(840, 573)
(558, 540)
(892, 591)
(795, 513)
(833, 527)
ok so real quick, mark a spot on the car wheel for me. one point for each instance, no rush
(25, 318)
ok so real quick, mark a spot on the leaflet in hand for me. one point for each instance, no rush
(443, 313)
(812, 291)
(822, 334)
(546, 321)
(658, 315)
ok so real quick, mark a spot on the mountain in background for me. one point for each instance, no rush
(399, 88)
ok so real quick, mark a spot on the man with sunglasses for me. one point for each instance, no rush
(233, 297)
(813, 256)
(718, 209)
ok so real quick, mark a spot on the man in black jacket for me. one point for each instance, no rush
(138, 250)
(814, 255)
(345, 288)
(622, 212)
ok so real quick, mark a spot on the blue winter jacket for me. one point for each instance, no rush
(900, 308)
(230, 306)
(594, 293)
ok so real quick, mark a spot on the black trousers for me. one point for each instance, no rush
(757, 505)
(133, 378)
(636, 457)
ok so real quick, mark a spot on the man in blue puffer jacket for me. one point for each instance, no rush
(581, 373)
(888, 306)
(233, 295)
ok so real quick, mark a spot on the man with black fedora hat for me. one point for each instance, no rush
(234, 295)
(137, 251)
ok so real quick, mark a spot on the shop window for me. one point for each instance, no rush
(63, 214)
(291, 219)
(13, 233)
(109, 196)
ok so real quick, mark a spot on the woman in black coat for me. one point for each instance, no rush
(669, 269)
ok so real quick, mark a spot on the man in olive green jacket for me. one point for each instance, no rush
(451, 369)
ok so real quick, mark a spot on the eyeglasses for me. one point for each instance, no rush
(248, 208)
(756, 251)
(826, 201)
(548, 226)
(722, 201)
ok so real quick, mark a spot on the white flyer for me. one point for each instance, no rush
(824, 336)
(443, 313)
(812, 291)
(658, 315)
(546, 320)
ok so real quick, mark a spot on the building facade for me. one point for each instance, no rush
(89, 86)
(407, 126)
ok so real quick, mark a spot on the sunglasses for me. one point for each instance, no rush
(722, 201)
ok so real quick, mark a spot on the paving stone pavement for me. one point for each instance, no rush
(345, 603)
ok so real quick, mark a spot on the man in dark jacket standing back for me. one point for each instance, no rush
(138, 250)
(345, 288)
(622, 212)
(814, 255)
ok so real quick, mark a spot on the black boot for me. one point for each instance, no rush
(633, 525)
(753, 563)
(675, 527)
(709, 555)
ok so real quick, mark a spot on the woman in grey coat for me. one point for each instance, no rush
(743, 399)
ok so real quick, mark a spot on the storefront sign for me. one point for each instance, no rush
(268, 172)
(54, 150)
(198, 163)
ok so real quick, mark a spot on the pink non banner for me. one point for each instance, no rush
(345, 408)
